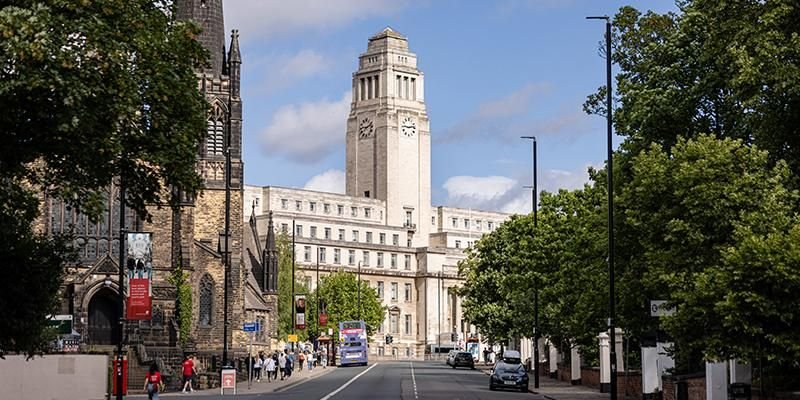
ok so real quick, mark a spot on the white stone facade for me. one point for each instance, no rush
(408, 249)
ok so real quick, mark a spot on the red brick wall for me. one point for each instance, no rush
(696, 383)
(590, 377)
(630, 384)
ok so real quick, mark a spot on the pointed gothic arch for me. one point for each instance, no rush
(206, 301)
(215, 131)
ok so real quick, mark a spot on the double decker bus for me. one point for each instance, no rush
(352, 343)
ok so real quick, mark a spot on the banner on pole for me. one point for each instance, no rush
(139, 304)
(139, 255)
(300, 311)
(323, 319)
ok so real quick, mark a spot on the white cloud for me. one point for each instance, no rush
(283, 70)
(308, 131)
(331, 181)
(260, 20)
(504, 194)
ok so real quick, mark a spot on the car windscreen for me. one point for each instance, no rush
(509, 368)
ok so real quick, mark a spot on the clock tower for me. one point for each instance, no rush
(388, 135)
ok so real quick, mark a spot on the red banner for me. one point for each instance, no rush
(139, 303)
(323, 319)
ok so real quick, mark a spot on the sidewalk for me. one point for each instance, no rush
(553, 389)
(297, 378)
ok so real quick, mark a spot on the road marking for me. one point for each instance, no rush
(414, 380)
(333, 393)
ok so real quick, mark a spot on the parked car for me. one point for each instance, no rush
(450, 356)
(509, 373)
(463, 359)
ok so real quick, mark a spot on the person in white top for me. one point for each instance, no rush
(269, 365)
(257, 365)
(282, 364)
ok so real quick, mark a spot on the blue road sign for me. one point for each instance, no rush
(250, 326)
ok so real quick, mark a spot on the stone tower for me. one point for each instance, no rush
(220, 82)
(388, 134)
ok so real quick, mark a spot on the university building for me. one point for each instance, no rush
(408, 250)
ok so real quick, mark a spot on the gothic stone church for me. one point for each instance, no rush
(187, 237)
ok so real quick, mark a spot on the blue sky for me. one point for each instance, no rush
(494, 70)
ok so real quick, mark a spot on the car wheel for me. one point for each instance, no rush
(454, 367)
(491, 387)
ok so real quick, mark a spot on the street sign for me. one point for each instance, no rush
(62, 322)
(228, 380)
(292, 338)
(658, 308)
(250, 327)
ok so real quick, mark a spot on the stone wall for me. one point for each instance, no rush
(55, 377)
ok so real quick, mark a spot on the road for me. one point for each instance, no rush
(417, 380)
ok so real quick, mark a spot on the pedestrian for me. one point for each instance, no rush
(282, 365)
(311, 358)
(188, 371)
(485, 356)
(270, 367)
(153, 382)
(301, 358)
(257, 365)
(324, 356)
(275, 361)
(289, 365)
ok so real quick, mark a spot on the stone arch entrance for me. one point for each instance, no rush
(104, 317)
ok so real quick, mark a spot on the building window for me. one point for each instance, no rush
(369, 237)
(367, 212)
(458, 244)
(365, 259)
(433, 220)
(313, 232)
(351, 257)
(341, 234)
(408, 292)
(413, 88)
(353, 211)
(407, 262)
(408, 218)
(466, 223)
(393, 262)
(478, 224)
(340, 210)
(322, 255)
(326, 208)
(307, 253)
(337, 256)
(394, 291)
(312, 206)
(284, 204)
(298, 205)
(455, 222)
(396, 240)
(382, 238)
(380, 290)
(408, 242)
(366, 193)
(206, 300)
(490, 225)
(215, 139)
(407, 324)
(285, 228)
(393, 323)
(380, 260)
(298, 230)
(355, 236)
(328, 233)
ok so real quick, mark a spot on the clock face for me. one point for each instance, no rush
(408, 127)
(365, 128)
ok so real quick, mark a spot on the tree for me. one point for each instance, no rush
(90, 91)
(283, 244)
(338, 293)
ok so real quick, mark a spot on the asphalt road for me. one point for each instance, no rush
(406, 380)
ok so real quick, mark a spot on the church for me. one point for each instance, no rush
(407, 249)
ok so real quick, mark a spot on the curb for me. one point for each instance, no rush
(301, 380)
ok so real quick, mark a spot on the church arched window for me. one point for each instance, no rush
(206, 300)
(215, 135)
(158, 317)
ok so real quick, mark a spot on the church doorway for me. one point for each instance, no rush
(104, 317)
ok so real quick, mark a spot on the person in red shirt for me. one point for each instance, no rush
(153, 382)
(188, 371)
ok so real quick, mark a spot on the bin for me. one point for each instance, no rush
(739, 391)
(116, 371)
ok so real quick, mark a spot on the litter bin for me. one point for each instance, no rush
(739, 391)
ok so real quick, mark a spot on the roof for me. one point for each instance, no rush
(386, 33)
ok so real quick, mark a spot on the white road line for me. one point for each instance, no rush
(333, 393)
(414, 380)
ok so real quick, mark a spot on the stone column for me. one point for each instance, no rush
(605, 368)
(575, 364)
(716, 381)
(741, 373)
(619, 335)
(650, 371)
(553, 362)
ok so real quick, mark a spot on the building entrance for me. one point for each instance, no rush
(104, 318)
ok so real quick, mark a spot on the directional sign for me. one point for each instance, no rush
(250, 327)
(658, 308)
(292, 338)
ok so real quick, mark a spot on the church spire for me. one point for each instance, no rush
(270, 259)
(208, 15)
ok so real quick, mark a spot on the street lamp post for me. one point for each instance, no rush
(534, 209)
(292, 302)
(611, 311)
(439, 335)
(122, 232)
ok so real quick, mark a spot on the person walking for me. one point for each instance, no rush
(270, 367)
(275, 359)
(282, 365)
(289, 365)
(153, 382)
(312, 357)
(257, 365)
(188, 371)
(302, 359)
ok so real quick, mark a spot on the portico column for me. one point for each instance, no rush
(605, 368)
(575, 364)
(716, 381)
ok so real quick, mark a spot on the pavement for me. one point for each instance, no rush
(553, 389)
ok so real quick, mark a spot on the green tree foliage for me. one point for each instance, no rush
(183, 302)
(283, 243)
(714, 221)
(338, 292)
(89, 89)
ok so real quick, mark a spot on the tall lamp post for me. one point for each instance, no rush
(611, 311)
(226, 251)
(534, 209)
(292, 302)
(122, 232)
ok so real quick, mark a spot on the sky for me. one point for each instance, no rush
(494, 71)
